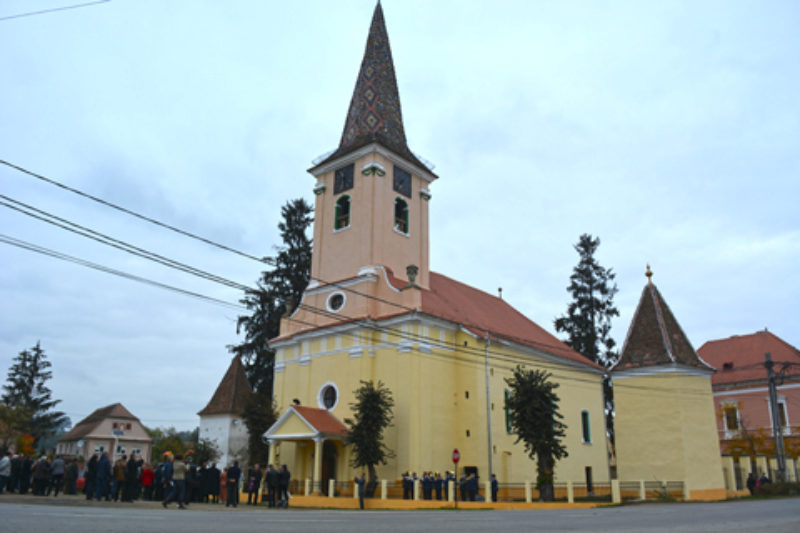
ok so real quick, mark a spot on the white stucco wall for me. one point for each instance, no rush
(229, 433)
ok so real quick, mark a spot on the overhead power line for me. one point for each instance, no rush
(64, 257)
(53, 10)
(133, 213)
(63, 223)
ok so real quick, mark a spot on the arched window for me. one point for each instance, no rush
(342, 219)
(401, 215)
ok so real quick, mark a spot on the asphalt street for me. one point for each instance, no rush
(64, 515)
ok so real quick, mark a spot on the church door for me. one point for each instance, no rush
(329, 456)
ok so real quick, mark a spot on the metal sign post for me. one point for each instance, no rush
(456, 457)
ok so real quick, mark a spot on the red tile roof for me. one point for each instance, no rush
(740, 358)
(231, 394)
(321, 419)
(655, 338)
(488, 315)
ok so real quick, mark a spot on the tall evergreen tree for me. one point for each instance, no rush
(533, 411)
(278, 288)
(588, 319)
(278, 292)
(26, 393)
(372, 414)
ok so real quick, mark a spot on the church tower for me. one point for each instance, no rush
(371, 209)
(664, 423)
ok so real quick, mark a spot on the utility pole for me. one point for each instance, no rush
(777, 429)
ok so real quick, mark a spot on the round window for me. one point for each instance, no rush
(328, 396)
(336, 301)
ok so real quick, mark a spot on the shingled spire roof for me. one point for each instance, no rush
(375, 114)
(655, 338)
(231, 394)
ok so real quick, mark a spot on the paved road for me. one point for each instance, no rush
(41, 515)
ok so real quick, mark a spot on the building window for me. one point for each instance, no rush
(401, 215)
(335, 302)
(328, 397)
(342, 219)
(731, 418)
(586, 427)
(120, 449)
(509, 428)
(128, 426)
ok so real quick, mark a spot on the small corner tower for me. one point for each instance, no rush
(664, 424)
(372, 191)
(221, 420)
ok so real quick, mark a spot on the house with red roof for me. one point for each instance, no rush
(111, 429)
(741, 394)
(374, 310)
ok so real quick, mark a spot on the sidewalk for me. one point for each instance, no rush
(296, 502)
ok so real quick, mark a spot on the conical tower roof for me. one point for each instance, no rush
(375, 115)
(655, 338)
(232, 393)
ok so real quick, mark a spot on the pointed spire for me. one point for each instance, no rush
(655, 338)
(375, 114)
(232, 393)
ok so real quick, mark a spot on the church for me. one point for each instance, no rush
(374, 310)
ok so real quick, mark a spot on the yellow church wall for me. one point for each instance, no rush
(440, 396)
(666, 430)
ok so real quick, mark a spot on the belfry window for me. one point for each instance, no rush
(342, 219)
(586, 427)
(401, 215)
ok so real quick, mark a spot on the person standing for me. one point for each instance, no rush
(5, 471)
(495, 488)
(284, 477)
(254, 484)
(213, 482)
(90, 477)
(25, 475)
(71, 477)
(148, 478)
(437, 485)
(360, 482)
(131, 477)
(103, 477)
(234, 474)
(273, 484)
(118, 481)
(57, 472)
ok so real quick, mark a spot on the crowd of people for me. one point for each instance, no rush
(435, 483)
(130, 478)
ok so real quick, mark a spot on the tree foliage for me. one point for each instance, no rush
(182, 442)
(259, 414)
(372, 414)
(28, 400)
(588, 319)
(534, 417)
(278, 290)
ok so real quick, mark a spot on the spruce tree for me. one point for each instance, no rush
(27, 395)
(588, 319)
(533, 411)
(278, 292)
(372, 414)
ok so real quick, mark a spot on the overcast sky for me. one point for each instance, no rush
(669, 129)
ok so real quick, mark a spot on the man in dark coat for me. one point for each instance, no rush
(90, 477)
(103, 477)
(131, 475)
(25, 475)
(234, 474)
(212, 482)
(71, 477)
(254, 484)
(284, 477)
(273, 485)
(360, 482)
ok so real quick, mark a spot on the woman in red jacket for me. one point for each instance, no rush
(147, 481)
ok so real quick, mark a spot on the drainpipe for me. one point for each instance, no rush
(488, 410)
